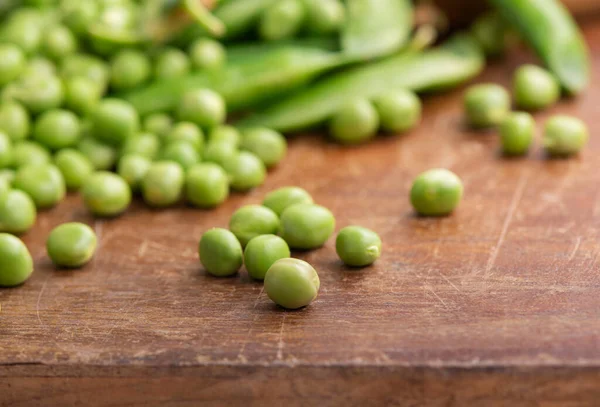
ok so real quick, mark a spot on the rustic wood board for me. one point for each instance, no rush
(498, 303)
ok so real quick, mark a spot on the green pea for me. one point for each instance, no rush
(43, 183)
(17, 212)
(207, 54)
(102, 156)
(81, 95)
(16, 264)
(133, 169)
(39, 93)
(262, 252)
(171, 63)
(253, 220)
(163, 184)
(12, 63)
(226, 134)
(282, 198)
(220, 252)
(71, 244)
(159, 124)
(23, 30)
(14, 120)
(143, 144)
(79, 15)
(74, 167)
(29, 153)
(59, 42)
(516, 133)
(181, 152)
(188, 132)
(306, 226)
(207, 185)
(40, 66)
(535, 88)
(56, 129)
(436, 192)
(106, 194)
(220, 152)
(87, 66)
(292, 283)
(399, 111)
(114, 121)
(246, 171)
(268, 145)
(486, 105)
(130, 69)
(564, 136)
(355, 123)
(281, 20)
(324, 16)
(202, 107)
(357, 246)
(6, 151)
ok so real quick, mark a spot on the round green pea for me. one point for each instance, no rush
(133, 169)
(246, 171)
(206, 185)
(535, 88)
(357, 246)
(163, 184)
(282, 198)
(292, 283)
(39, 93)
(268, 145)
(324, 16)
(74, 167)
(86, 66)
(43, 183)
(14, 120)
(306, 226)
(143, 144)
(29, 153)
(24, 29)
(12, 63)
(81, 95)
(171, 63)
(253, 220)
(129, 69)
(40, 66)
(16, 264)
(203, 107)
(106, 194)
(486, 105)
(181, 152)
(564, 136)
(399, 111)
(226, 134)
(355, 123)
(261, 252)
(6, 151)
(220, 152)
(59, 41)
(188, 132)
(516, 133)
(71, 244)
(159, 124)
(220, 252)
(114, 121)
(207, 54)
(17, 212)
(102, 156)
(79, 15)
(436, 192)
(57, 129)
(283, 19)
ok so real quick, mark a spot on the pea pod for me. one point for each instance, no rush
(376, 27)
(239, 16)
(552, 32)
(449, 65)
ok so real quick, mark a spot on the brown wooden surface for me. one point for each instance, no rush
(498, 304)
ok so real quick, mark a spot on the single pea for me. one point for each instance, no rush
(357, 246)
(159, 124)
(292, 283)
(59, 41)
(220, 152)
(106, 194)
(81, 95)
(143, 144)
(12, 63)
(253, 220)
(207, 185)
(102, 156)
(516, 133)
(282, 198)
(87, 66)
(163, 184)
(283, 19)
(23, 30)
(114, 121)
(268, 145)
(490, 31)
(399, 111)
(74, 167)
(246, 171)
(220, 252)
(206, 53)
(202, 107)
(564, 135)
(535, 88)
(181, 152)
(14, 120)
(43, 183)
(324, 16)
(486, 105)
(29, 153)
(306, 226)
(189, 132)
(133, 169)
(17, 212)
(225, 133)
(436, 192)
(57, 129)
(71, 244)
(6, 151)
(40, 66)
(261, 252)
(171, 63)
(355, 123)
(39, 93)
(16, 264)
(129, 69)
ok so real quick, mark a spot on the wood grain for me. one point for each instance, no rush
(496, 305)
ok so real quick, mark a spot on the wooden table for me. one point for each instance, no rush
(498, 303)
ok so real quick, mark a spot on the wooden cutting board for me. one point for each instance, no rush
(496, 305)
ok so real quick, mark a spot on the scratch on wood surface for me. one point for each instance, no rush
(98, 231)
(516, 199)
(281, 342)
(575, 249)
(39, 299)
(143, 248)
(438, 297)
(449, 282)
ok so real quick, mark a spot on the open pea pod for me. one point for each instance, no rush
(552, 32)
(458, 60)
